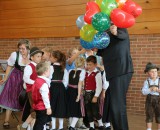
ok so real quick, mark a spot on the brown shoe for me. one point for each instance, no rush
(19, 127)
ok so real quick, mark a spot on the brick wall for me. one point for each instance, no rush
(144, 48)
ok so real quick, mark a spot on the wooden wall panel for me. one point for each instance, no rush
(43, 12)
(42, 18)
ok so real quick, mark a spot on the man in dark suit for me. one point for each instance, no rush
(119, 69)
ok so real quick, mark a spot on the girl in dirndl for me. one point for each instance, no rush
(58, 87)
(75, 108)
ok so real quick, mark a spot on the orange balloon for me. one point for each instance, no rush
(120, 3)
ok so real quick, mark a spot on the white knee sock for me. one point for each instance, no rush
(91, 124)
(25, 125)
(107, 124)
(29, 127)
(60, 123)
(74, 121)
(44, 127)
(149, 129)
(100, 122)
(53, 123)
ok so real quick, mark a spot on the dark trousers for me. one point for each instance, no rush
(106, 107)
(92, 109)
(118, 90)
(41, 119)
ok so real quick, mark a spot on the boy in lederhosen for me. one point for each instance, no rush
(151, 89)
(92, 88)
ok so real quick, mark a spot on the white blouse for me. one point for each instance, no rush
(12, 59)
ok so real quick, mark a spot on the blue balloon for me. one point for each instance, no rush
(101, 40)
(86, 45)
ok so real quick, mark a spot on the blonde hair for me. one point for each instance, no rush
(47, 49)
(79, 63)
(42, 67)
(69, 52)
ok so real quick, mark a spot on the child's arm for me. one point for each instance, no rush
(105, 84)
(146, 90)
(79, 90)
(27, 74)
(71, 60)
(80, 84)
(98, 87)
(44, 91)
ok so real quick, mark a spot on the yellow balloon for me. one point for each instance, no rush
(87, 32)
(98, 2)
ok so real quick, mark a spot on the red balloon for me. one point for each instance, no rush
(137, 11)
(122, 19)
(91, 9)
(132, 8)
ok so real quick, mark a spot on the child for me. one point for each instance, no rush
(76, 78)
(73, 53)
(46, 54)
(93, 88)
(29, 77)
(47, 51)
(151, 89)
(58, 88)
(41, 95)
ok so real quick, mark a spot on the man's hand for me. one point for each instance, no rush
(94, 100)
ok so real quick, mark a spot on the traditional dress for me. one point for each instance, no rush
(14, 84)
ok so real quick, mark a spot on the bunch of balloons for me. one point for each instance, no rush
(97, 20)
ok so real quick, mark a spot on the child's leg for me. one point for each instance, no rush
(158, 126)
(107, 124)
(149, 126)
(32, 123)
(53, 123)
(74, 121)
(27, 122)
(60, 123)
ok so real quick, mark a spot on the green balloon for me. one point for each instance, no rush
(107, 6)
(101, 22)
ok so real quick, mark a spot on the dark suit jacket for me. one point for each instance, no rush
(116, 57)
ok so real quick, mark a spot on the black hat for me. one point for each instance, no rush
(150, 66)
(35, 50)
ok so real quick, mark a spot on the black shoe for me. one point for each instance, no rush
(91, 128)
(71, 128)
(101, 128)
(107, 128)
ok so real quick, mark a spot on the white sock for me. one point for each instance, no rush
(60, 123)
(107, 124)
(47, 125)
(149, 129)
(44, 127)
(29, 127)
(74, 121)
(53, 123)
(100, 122)
(70, 121)
(91, 124)
(25, 125)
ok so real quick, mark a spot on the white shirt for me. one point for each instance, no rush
(12, 59)
(105, 82)
(27, 73)
(146, 90)
(98, 79)
(44, 91)
(65, 77)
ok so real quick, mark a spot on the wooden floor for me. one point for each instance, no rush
(136, 122)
